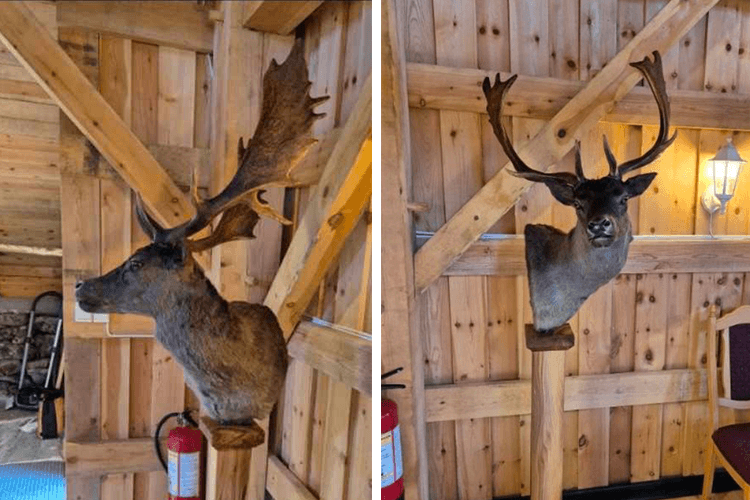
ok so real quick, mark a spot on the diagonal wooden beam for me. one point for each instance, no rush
(349, 202)
(555, 139)
(28, 40)
(308, 255)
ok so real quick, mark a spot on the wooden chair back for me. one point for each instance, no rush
(734, 330)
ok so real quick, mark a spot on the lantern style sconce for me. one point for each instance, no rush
(723, 170)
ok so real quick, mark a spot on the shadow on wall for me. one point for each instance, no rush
(33, 481)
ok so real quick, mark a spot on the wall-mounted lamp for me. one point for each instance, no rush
(723, 170)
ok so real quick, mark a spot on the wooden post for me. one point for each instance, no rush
(230, 451)
(547, 392)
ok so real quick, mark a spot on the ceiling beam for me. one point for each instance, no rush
(183, 25)
(555, 139)
(51, 67)
(460, 89)
(280, 17)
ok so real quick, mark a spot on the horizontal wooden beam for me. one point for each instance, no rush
(178, 161)
(648, 254)
(280, 17)
(110, 457)
(343, 356)
(24, 249)
(28, 286)
(282, 483)
(177, 24)
(51, 67)
(555, 139)
(460, 89)
(583, 392)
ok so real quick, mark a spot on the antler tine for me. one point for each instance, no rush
(610, 157)
(495, 95)
(654, 75)
(237, 222)
(579, 165)
(152, 228)
(280, 141)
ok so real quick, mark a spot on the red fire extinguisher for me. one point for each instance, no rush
(183, 453)
(391, 463)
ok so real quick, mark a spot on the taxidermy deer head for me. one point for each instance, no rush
(233, 353)
(564, 269)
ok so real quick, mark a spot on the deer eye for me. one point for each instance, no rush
(624, 200)
(135, 265)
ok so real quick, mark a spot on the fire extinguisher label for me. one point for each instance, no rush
(391, 466)
(184, 474)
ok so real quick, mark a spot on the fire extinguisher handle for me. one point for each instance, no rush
(161, 423)
(184, 415)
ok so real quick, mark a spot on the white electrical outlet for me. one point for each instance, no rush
(101, 318)
(81, 316)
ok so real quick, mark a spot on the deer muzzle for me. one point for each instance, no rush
(89, 296)
(601, 231)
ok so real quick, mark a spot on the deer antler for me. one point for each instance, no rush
(495, 95)
(654, 75)
(280, 141)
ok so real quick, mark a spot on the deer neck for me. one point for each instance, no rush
(192, 303)
(599, 263)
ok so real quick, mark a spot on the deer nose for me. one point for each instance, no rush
(601, 225)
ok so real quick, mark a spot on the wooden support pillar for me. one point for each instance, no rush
(547, 397)
(230, 452)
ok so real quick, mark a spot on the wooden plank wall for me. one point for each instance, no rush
(120, 387)
(472, 327)
(29, 177)
(324, 425)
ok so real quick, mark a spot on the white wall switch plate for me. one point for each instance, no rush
(81, 316)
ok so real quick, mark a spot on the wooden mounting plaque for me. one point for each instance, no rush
(561, 339)
(231, 437)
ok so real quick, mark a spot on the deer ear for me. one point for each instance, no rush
(562, 192)
(635, 186)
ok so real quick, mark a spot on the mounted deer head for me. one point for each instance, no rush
(564, 269)
(234, 354)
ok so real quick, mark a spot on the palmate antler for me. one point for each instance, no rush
(280, 141)
(652, 73)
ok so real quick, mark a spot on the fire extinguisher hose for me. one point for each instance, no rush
(184, 415)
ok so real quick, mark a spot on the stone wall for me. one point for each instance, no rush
(13, 327)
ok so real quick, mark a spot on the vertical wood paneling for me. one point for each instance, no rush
(325, 39)
(144, 124)
(650, 353)
(621, 354)
(594, 347)
(493, 52)
(460, 136)
(668, 333)
(115, 76)
(598, 35)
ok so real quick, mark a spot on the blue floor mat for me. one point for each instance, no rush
(32, 481)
